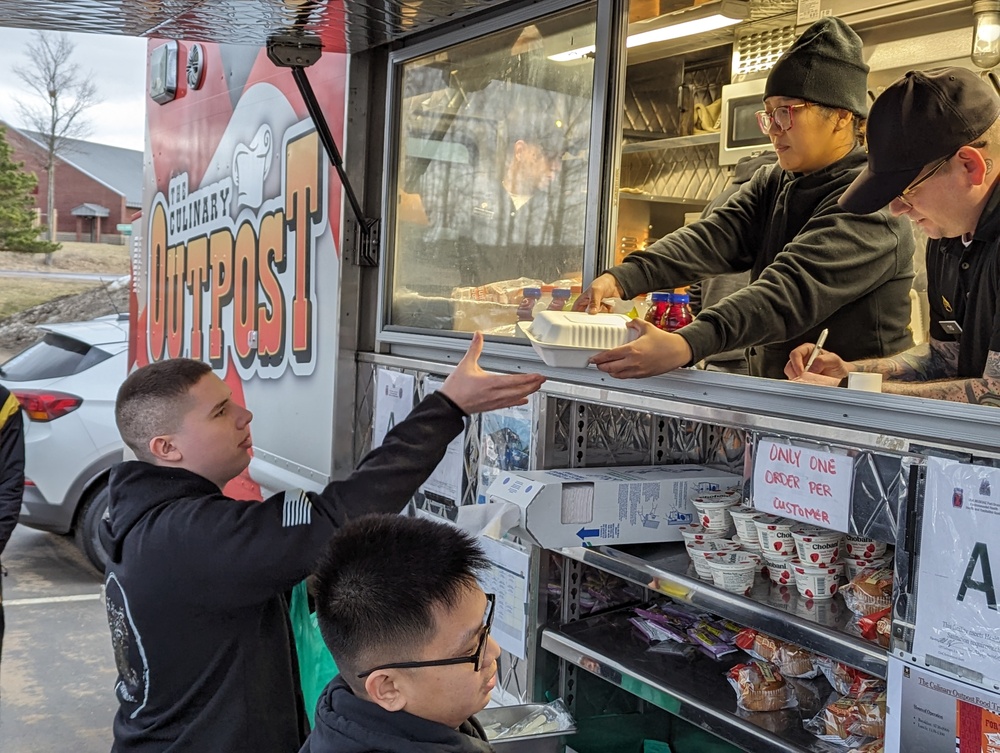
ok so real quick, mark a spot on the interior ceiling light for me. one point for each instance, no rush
(986, 33)
(682, 23)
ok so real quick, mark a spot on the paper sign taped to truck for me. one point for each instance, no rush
(590, 506)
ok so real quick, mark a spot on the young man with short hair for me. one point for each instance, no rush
(400, 610)
(196, 580)
(934, 157)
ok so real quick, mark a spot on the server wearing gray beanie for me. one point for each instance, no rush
(825, 65)
(813, 266)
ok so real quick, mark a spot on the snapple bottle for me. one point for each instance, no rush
(679, 313)
(525, 310)
(657, 312)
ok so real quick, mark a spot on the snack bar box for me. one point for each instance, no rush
(590, 506)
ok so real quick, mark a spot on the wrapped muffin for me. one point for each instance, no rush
(760, 686)
(795, 661)
(870, 591)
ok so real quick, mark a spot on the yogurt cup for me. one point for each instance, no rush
(733, 571)
(860, 547)
(698, 533)
(743, 518)
(817, 582)
(855, 565)
(698, 551)
(779, 569)
(713, 512)
(817, 547)
(775, 535)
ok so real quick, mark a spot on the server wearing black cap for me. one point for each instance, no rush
(934, 156)
(813, 265)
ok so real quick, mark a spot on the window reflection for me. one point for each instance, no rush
(492, 175)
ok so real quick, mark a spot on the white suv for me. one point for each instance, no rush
(67, 384)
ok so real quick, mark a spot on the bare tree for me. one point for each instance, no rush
(65, 93)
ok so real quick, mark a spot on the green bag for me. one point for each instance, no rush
(316, 665)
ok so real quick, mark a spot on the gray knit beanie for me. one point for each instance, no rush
(825, 66)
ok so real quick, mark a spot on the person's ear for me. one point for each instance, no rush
(163, 449)
(845, 119)
(975, 164)
(382, 688)
(519, 148)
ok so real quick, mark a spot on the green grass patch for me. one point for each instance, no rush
(17, 294)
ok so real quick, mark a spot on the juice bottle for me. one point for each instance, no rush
(574, 293)
(657, 312)
(560, 299)
(544, 300)
(679, 313)
(525, 310)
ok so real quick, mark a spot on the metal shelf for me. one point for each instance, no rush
(776, 610)
(695, 690)
(676, 142)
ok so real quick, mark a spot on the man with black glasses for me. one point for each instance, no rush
(932, 156)
(400, 610)
(813, 266)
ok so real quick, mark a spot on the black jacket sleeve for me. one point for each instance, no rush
(390, 474)
(11, 464)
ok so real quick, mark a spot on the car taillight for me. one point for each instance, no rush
(46, 405)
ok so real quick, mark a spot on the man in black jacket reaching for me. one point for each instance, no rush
(400, 610)
(196, 580)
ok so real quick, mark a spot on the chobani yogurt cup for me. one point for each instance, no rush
(817, 582)
(699, 550)
(775, 535)
(733, 571)
(779, 569)
(743, 518)
(698, 533)
(816, 546)
(713, 512)
(861, 547)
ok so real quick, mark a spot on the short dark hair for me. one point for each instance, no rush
(148, 402)
(379, 581)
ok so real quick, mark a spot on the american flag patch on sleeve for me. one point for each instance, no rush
(297, 510)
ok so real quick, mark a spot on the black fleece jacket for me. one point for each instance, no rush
(195, 583)
(11, 464)
(348, 724)
(812, 266)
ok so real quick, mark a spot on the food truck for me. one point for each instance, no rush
(335, 198)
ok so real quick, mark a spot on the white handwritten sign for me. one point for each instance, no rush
(803, 484)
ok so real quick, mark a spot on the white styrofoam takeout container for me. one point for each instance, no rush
(570, 338)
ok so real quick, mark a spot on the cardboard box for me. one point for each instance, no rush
(592, 506)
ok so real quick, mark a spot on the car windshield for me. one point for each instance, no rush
(53, 356)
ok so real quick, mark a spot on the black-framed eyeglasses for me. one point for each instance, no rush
(475, 659)
(780, 116)
(913, 186)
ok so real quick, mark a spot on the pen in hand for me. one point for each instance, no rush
(816, 349)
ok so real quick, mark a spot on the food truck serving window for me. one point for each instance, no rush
(491, 174)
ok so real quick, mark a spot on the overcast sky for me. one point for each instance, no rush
(118, 68)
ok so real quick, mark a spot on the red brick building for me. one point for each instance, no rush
(98, 187)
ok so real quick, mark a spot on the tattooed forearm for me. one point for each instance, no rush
(922, 363)
(984, 391)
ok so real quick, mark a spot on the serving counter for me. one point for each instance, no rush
(584, 418)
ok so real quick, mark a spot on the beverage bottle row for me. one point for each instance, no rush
(669, 311)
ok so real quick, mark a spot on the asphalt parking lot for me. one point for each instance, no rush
(57, 672)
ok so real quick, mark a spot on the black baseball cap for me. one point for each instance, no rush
(923, 117)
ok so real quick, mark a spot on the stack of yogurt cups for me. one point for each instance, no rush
(715, 555)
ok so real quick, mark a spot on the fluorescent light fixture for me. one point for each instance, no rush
(683, 23)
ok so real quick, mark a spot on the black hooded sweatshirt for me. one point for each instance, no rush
(348, 724)
(195, 591)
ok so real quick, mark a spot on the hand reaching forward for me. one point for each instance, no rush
(476, 391)
(590, 300)
(652, 352)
